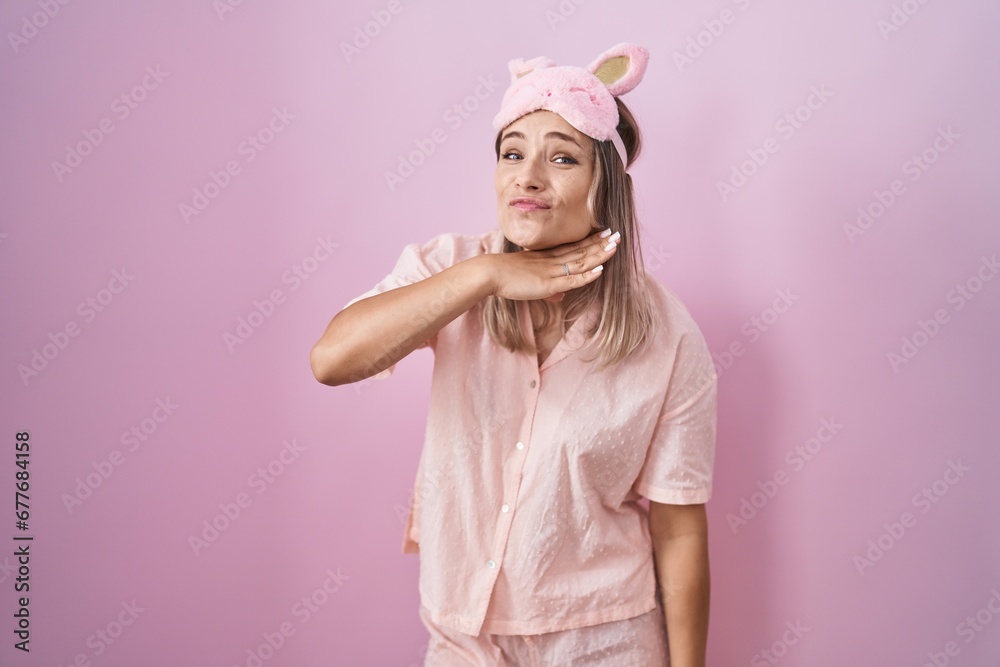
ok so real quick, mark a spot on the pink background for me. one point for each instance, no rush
(338, 504)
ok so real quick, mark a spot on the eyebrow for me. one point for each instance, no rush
(554, 134)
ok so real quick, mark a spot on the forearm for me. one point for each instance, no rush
(683, 572)
(372, 334)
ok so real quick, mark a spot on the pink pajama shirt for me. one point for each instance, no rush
(525, 512)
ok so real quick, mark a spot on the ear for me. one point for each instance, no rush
(519, 67)
(621, 67)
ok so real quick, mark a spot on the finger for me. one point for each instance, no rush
(597, 249)
(566, 248)
(591, 270)
(587, 258)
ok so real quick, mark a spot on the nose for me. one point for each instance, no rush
(529, 174)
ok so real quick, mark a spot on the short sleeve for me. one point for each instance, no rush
(416, 262)
(680, 460)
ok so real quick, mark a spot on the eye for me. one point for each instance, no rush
(568, 159)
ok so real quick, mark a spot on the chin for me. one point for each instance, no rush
(530, 239)
(530, 242)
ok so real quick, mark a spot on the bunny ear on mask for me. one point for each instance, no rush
(520, 67)
(621, 67)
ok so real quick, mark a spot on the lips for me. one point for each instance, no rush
(528, 204)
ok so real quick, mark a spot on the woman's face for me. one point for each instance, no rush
(544, 158)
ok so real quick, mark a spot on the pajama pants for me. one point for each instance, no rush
(633, 642)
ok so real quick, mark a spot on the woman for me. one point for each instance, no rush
(568, 384)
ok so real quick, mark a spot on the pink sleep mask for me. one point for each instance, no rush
(584, 97)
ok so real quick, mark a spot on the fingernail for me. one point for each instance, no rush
(606, 233)
(610, 246)
(616, 236)
(597, 269)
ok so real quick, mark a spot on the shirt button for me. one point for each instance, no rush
(533, 383)
(520, 445)
(505, 507)
(491, 564)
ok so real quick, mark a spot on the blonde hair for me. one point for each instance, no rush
(626, 315)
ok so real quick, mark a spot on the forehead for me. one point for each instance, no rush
(538, 123)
